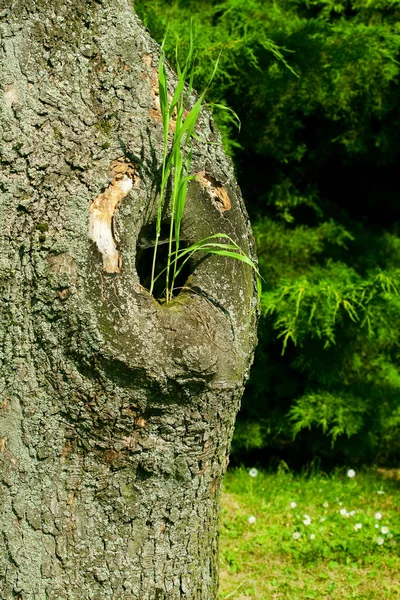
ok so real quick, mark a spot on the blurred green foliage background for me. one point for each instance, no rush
(316, 86)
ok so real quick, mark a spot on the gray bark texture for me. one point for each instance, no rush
(116, 411)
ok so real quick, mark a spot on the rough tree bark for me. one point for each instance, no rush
(116, 411)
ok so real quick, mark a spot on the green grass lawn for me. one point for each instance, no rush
(310, 536)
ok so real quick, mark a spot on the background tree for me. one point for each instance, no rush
(315, 84)
(116, 410)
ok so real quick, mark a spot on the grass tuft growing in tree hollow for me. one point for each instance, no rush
(176, 165)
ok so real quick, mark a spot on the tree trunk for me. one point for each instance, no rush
(116, 411)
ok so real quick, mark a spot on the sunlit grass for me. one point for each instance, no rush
(318, 536)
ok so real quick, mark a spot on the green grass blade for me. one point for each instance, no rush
(227, 109)
(163, 94)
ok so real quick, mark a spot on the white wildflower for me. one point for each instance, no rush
(380, 492)
(357, 526)
(380, 541)
(385, 530)
(351, 473)
(376, 526)
(307, 520)
(343, 511)
(296, 535)
(312, 536)
(293, 504)
(251, 520)
(253, 472)
(378, 516)
(325, 505)
(352, 513)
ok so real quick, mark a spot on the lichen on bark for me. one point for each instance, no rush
(116, 412)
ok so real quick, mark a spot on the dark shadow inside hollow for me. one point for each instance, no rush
(144, 260)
